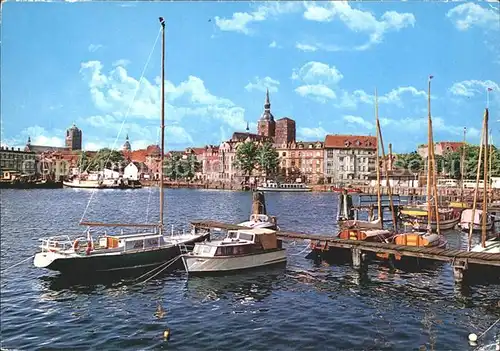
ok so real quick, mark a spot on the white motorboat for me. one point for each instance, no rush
(466, 220)
(239, 250)
(260, 221)
(281, 187)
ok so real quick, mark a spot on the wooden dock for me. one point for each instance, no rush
(460, 259)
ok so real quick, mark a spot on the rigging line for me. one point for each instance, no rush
(126, 115)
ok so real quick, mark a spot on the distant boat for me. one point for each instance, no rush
(87, 184)
(288, 187)
(466, 220)
(240, 250)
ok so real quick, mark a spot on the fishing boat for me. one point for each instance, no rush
(260, 221)
(240, 250)
(121, 252)
(84, 183)
(466, 220)
(288, 187)
(417, 217)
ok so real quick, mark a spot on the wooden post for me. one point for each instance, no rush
(459, 271)
(357, 258)
(258, 203)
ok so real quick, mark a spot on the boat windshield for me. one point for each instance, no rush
(232, 235)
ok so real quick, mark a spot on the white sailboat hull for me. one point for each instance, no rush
(492, 246)
(86, 184)
(200, 264)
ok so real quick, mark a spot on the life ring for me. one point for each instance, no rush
(76, 244)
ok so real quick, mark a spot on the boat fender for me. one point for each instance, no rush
(75, 244)
(166, 334)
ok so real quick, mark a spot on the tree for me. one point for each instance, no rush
(267, 158)
(411, 161)
(106, 158)
(246, 157)
(179, 167)
(83, 161)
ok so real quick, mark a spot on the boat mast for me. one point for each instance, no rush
(388, 184)
(434, 167)
(162, 126)
(485, 178)
(429, 156)
(462, 169)
(476, 190)
(377, 164)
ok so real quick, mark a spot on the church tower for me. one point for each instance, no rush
(74, 138)
(266, 125)
(126, 146)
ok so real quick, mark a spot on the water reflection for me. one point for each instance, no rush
(249, 286)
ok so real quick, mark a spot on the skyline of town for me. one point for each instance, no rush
(222, 59)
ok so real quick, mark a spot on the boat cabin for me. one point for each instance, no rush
(240, 242)
(274, 185)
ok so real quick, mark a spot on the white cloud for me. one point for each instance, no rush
(121, 62)
(469, 88)
(273, 44)
(318, 92)
(94, 47)
(360, 21)
(358, 121)
(38, 135)
(470, 14)
(306, 47)
(317, 133)
(395, 96)
(317, 73)
(240, 20)
(261, 84)
(113, 93)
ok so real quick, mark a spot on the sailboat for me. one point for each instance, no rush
(371, 230)
(491, 245)
(427, 238)
(124, 252)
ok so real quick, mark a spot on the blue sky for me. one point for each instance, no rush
(65, 63)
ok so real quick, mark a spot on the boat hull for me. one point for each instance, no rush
(224, 264)
(118, 261)
(84, 185)
(443, 224)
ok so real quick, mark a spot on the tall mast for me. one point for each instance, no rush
(430, 148)
(377, 163)
(462, 168)
(485, 178)
(162, 126)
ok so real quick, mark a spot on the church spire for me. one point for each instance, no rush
(267, 115)
(248, 129)
(29, 141)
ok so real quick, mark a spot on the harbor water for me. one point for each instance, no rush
(305, 306)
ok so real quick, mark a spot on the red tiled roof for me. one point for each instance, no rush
(350, 142)
(450, 145)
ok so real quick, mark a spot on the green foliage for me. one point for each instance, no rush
(176, 167)
(106, 158)
(267, 158)
(411, 161)
(83, 161)
(246, 157)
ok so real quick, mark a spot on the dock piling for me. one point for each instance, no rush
(459, 270)
(258, 203)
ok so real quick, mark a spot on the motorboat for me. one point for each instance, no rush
(240, 250)
(260, 221)
(466, 220)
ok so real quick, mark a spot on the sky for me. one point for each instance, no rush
(97, 64)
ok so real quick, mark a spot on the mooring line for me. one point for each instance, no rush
(17, 264)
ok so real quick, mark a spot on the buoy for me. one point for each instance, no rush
(166, 334)
(472, 337)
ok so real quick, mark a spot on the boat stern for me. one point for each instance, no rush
(44, 259)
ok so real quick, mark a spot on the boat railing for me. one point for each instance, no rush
(56, 242)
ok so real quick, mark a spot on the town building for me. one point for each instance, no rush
(17, 160)
(74, 138)
(440, 148)
(210, 163)
(303, 159)
(349, 157)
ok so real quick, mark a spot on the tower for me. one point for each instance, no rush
(126, 146)
(266, 125)
(74, 138)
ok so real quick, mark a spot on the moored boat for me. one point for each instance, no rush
(240, 250)
(466, 220)
(417, 217)
(491, 246)
(372, 235)
(282, 187)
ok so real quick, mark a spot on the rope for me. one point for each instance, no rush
(126, 115)
(17, 264)
(498, 320)
(303, 250)
(163, 267)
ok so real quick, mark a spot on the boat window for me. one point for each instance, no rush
(246, 236)
(206, 249)
(232, 235)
